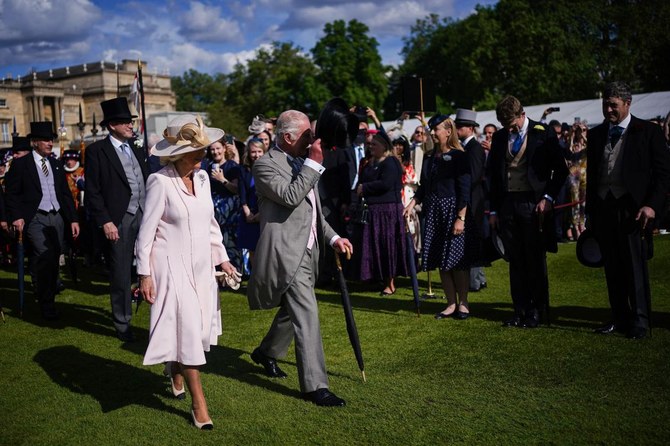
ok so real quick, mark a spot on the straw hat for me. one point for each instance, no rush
(186, 133)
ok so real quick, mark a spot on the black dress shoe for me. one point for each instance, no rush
(608, 328)
(439, 316)
(514, 322)
(50, 315)
(637, 333)
(269, 364)
(530, 322)
(125, 336)
(461, 315)
(324, 397)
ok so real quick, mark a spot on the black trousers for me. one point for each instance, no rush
(625, 248)
(45, 233)
(523, 239)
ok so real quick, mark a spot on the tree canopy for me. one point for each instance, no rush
(538, 51)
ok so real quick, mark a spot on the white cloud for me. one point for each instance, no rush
(205, 24)
(30, 21)
(186, 56)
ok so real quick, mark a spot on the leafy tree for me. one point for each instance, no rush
(196, 91)
(350, 64)
(541, 51)
(277, 79)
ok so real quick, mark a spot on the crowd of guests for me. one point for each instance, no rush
(201, 209)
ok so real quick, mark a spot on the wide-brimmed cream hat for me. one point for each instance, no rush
(186, 133)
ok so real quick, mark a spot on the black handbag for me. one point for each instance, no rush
(359, 212)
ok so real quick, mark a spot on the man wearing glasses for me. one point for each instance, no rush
(116, 172)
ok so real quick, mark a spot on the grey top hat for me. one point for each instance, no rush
(466, 117)
(42, 130)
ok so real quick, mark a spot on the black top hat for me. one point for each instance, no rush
(21, 143)
(588, 250)
(116, 110)
(42, 130)
(499, 245)
(336, 126)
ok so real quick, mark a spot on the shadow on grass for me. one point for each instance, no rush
(87, 318)
(113, 384)
(236, 364)
(562, 316)
(229, 362)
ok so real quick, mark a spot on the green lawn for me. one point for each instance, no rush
(429, 382)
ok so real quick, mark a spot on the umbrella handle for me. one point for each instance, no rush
(338, 263)
(20, 239)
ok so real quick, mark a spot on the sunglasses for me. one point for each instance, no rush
(419, 133)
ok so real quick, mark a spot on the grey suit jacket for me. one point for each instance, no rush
(286, 218)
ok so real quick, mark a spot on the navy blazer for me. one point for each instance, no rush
(646, 164)
(382, 182)
(24, 192)
(107, 189)
(446, 175)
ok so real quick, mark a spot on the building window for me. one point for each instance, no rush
(3, 103)
(6, 135)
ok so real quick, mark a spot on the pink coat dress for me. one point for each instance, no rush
(179, 244)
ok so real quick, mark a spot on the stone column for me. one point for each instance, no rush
(40, 108)
(33, 108)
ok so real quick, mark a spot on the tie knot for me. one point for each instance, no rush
(615, 134)
(297, 164)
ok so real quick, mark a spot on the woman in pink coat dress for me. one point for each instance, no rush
(178, 247)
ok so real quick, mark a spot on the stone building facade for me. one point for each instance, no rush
(45, 95)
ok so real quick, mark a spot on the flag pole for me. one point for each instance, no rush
(143, 117)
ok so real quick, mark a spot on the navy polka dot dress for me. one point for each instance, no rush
(442, 250)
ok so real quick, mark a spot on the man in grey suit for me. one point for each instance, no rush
(293, 235)
(116, 170)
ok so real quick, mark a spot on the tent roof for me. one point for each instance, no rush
(644, 106)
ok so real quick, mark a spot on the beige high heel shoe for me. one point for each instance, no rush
(206, 426)
(180, 394)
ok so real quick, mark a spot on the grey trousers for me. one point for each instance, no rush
(298, 317)
(120, 270)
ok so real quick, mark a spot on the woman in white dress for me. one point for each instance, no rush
(178, 247)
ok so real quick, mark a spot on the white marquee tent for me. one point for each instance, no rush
(645, 106)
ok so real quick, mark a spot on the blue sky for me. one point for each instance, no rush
(209, 36)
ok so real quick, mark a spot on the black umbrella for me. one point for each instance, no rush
(349, 315)
(20, 259)
(72, 260)
(412, 267)
(646, 254)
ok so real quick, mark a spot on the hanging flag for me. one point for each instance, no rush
(136, 98)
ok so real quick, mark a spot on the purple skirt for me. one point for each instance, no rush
(383, 245)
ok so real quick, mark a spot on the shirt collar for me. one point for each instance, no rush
(467, 140)
(623, 124)
(37, 157)
(115, 142)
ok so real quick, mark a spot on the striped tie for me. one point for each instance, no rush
(45, 171)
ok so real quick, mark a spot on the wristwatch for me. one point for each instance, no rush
(460, 218)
